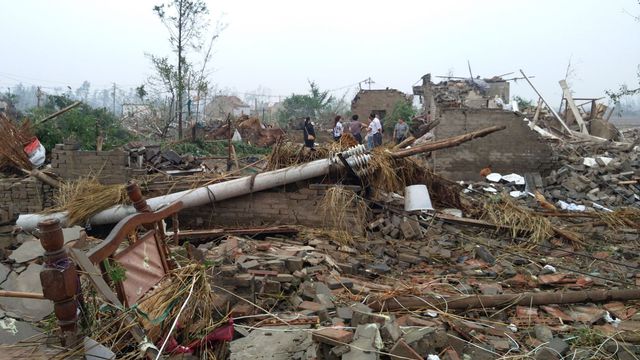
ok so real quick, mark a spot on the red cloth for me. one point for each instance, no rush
(223, 333)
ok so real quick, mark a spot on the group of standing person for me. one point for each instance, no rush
(355, 127)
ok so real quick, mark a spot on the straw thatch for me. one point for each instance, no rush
(199, 317)
(344, 212)
(393, 174)
(505, 213)
(85, 197)
(285, 154)
(156, 312)
(12, 141)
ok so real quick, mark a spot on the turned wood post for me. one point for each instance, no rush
(135, 194)
(141, 206)
(139, 202)
(59, 280)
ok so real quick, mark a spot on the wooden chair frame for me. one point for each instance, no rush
(108, 248)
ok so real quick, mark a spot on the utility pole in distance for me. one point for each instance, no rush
(38, 96)
(368, 81)
(114, 98)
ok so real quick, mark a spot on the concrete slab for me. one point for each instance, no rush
(366, 343)
(273, 344)
(4, 272)
(13, 331)
(26, 309)
(72, 233)
(29, 250)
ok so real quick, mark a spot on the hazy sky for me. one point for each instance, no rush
(278, 45)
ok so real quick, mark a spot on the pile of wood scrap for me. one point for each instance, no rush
(155, 159)
(256, 133)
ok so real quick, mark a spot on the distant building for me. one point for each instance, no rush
(461, 93)
(135, 116)
(380, 102)
(222, 105)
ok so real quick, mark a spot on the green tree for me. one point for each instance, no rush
(82, 123)
(141, 92)
(401, 109)
(316, 103)
(184, 20)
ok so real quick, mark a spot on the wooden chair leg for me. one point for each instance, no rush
(60, 282)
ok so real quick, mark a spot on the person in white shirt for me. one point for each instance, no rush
(337, 128)
(375, 129)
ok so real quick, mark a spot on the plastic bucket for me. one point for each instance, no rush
(416, 197)
(32, 146)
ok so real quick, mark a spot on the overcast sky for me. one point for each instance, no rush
(278, 45)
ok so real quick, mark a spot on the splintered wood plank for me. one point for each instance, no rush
(572, 106)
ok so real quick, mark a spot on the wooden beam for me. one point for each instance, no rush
(537, 113)
(22, 294)
(60, 112)
(555, 114)
(447, 143)
(493, 301)
(572, 106)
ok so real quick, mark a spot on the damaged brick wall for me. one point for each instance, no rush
(267, 208)
(380, 101)
(23, 196)
(517, 149)
(110, 167)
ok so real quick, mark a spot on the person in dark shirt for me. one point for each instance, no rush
(400, 131)
(309, 133)
(355, 127)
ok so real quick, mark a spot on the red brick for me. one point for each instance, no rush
(259, 272)
(263, 246)
(403, 351)
(241, 309)
(332, 336)
(310, 305)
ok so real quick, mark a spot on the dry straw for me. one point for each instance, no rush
(343, 210)
(622, 218)
(393, 174)
(12, 141)
(85, 197)
(285, 154)
(505, 213)
(156, 312)
(199, 317)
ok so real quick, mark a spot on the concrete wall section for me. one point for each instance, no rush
(110, 167)
(517, 149)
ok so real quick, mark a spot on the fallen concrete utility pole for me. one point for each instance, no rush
(494, 301)
(356, 157)
(447, 143)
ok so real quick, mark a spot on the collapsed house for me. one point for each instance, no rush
(382, 102)
(324, 254)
